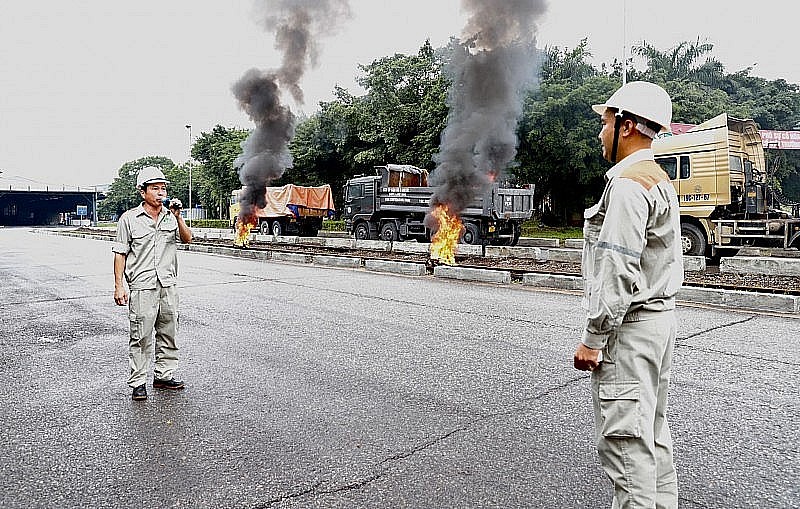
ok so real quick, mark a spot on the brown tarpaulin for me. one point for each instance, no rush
(282, 200)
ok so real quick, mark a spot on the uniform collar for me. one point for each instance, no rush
(644, 154)
(140, 211)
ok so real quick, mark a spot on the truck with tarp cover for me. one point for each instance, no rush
(392, 204)
(289, 209)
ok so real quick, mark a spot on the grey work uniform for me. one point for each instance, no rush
(151, 270)
(632, 268)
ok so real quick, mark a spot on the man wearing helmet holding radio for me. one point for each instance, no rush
(632, 268)
(145, 252)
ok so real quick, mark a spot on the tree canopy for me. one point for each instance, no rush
(214, 177)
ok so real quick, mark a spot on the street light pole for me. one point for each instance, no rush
(189, 162)
(624, 42)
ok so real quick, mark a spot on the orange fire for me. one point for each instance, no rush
(243, 227)
(443, 244)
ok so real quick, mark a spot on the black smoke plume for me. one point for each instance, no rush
(265, 152)
(492, 66)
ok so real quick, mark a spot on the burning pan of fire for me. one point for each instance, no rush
(445, 240)
(243, 227)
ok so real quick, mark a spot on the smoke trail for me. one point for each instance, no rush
(265, 153)
(297, 24)
(494, 64)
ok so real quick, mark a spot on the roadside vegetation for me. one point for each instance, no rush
(535, 229)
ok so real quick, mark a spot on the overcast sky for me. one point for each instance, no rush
(86, 86)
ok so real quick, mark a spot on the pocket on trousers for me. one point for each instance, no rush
(136, 329)
(620, 410)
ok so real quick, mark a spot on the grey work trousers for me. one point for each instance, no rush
(148, 310)
(629, 391)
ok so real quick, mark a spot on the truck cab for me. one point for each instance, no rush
(718, 169)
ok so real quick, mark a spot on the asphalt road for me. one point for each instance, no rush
(315, 387)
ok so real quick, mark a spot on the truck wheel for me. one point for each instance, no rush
(693, 242)
(361, 231)
(512, 236)
(277, 228)
(264, 227)
(389, 232)
(471, 234)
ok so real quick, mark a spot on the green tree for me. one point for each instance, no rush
(559, 151)
(215, 177)
(693, 102)
(680, 63)
(123, 195)
(404, 110)
(563, 64)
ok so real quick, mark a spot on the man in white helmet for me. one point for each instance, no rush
(632, 268)
(145, 251)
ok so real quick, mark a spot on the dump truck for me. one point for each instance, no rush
(289, 209)
(392, 204)
(726, 202)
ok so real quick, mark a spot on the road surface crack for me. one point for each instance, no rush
(384, 467)
(717, 327)
(679, 343)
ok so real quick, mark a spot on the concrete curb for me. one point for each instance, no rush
(404, 268)
(468, 250)
(291, 257)
(735, 299)
(561, 255)
(373, 245)
(343, 262)
(283, 239)
(467, 274)
(574, 243)
(228, 251)
(538, 242)
(552, 281)
(513, 252)
(761, 265)
(411, 247)
(741, 300)
(338, 243)
(311, 241)
(330, 234)
(694, 263)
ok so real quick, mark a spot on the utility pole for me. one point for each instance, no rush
(189, 162)
(624, 42)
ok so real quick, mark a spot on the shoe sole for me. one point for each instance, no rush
(139, 398)
(160, 386)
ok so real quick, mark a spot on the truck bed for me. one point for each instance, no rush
(508, 203)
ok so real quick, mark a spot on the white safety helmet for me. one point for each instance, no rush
(642, 99)
(150, 175)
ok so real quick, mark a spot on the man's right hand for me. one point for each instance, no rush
(120, 296)
(586, 359)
